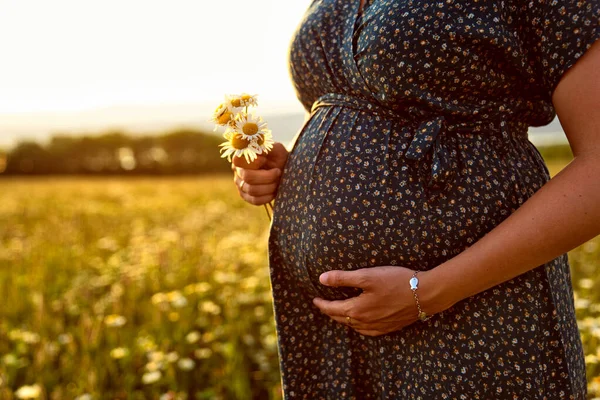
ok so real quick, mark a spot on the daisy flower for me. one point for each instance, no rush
(223, 115)
(242, 100)
(265, 141)
(237, 146)
(250, 126)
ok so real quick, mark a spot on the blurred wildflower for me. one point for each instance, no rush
(151, 377)
(146, 343)
(594, 386)
(155, 366)
(159, 298)
(581, 304)
(51, 348)
(30, 337)
(248, 339)
(225, 277)
(250, 283)
(270, 342)
(10, 359)
(115, 321)
(210, 307)
(192, 337)
(186, 364)
(172, 357)
(119, 352)
(176, 299)
(65, 338)
(170, 395)
(156, 361)
(586, 283)
(117, 290)
(171, 236)
(156, 356)
(107, 243)
(203, 353)
(29, 392)
(259, 311)
(24, 336)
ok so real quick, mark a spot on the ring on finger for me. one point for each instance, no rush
(242, 185)
(349, 321)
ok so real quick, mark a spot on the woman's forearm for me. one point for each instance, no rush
(561, 215)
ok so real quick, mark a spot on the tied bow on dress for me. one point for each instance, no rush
(427, 136)
(433, 134)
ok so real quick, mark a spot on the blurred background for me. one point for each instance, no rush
(129, 267)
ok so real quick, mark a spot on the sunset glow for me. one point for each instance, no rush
(68, 55)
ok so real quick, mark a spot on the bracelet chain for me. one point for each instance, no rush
(413, 286)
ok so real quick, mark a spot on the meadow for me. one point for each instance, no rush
(157, 288)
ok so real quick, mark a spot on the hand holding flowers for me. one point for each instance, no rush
(257, 161)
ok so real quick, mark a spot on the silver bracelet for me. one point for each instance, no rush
(414, 283)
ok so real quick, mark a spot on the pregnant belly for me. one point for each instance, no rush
(349, 199)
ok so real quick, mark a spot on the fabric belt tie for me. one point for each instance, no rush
(429, 133)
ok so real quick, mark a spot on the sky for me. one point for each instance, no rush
(73, 54)
(77, 65)
(65, 56)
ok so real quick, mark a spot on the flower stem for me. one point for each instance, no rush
(267, 210)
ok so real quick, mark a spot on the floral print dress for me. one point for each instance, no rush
(415, 148)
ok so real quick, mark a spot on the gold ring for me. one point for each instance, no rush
(242, 185)
(349, 321)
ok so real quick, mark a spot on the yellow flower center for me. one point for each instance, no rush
(236, 102)
(250, 128)
(224, 118)
(238, 142)
(260, 140)
(245, 97)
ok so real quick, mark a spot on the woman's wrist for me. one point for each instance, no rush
(435, 295)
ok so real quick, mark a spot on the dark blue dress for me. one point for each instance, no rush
(416, 147)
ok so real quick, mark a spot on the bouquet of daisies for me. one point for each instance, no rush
(246, 134)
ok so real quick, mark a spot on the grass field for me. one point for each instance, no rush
(156, 288)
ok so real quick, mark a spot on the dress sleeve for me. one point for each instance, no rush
(555, 34)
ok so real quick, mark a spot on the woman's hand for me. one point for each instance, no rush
(261, 177)
(386, 304)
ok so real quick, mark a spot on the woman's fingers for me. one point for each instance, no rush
(368, 329)
(255, 189)
(260, 176)
(258, 162)
(370, 332)
(256, 200)
(255, 194)
(259, 185)
(337, 308)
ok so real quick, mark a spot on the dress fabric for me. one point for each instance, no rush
(416, 147)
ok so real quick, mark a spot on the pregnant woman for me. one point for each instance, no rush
(418, 246)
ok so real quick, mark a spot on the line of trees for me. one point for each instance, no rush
(184, 151)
